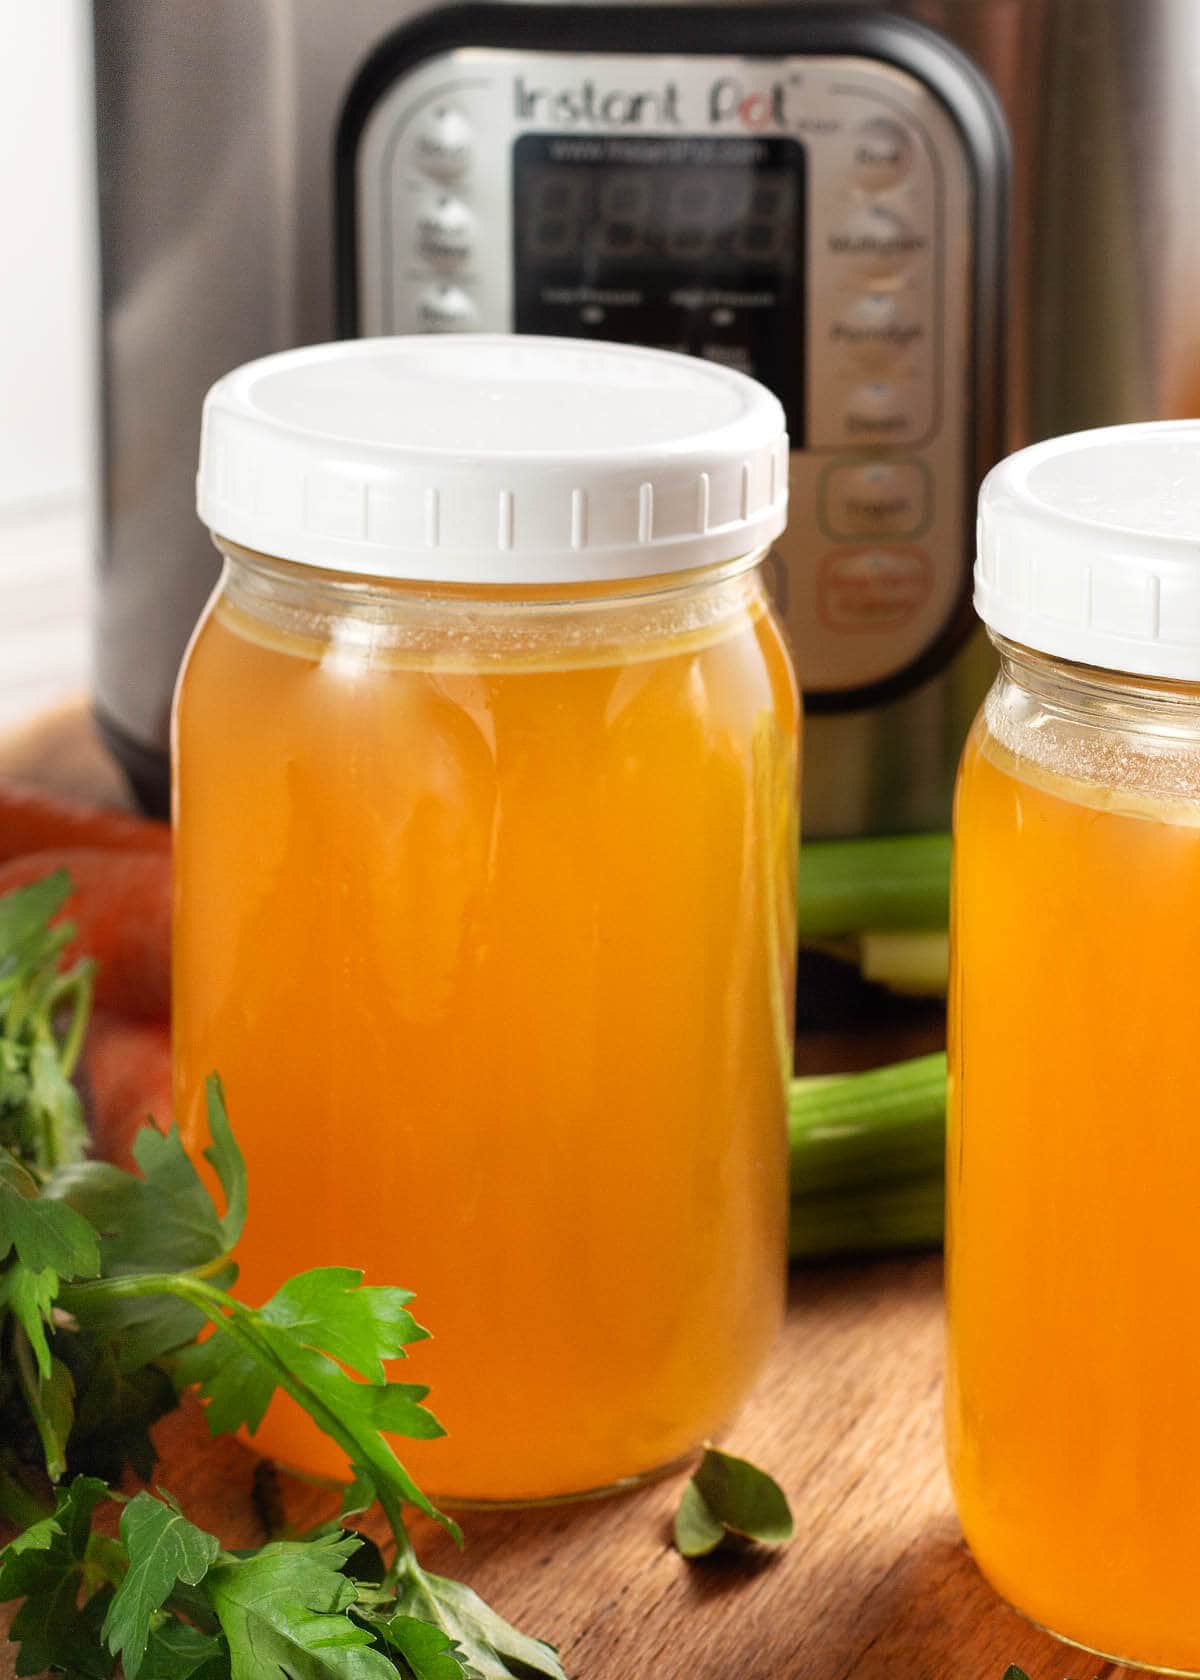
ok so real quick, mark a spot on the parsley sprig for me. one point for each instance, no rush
(114, 1301)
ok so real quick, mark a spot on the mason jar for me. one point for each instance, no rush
(485, 768)
(1073, 1175)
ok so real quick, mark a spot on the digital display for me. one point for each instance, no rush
(723, 217)
(691, 244)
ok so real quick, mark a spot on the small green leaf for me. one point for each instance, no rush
(729, 1495)
(360, 1325)
(44, 1566)
(1015, 1673)
(283, 1609)
(57, 1102)
(164, 1548)
(226, 1160)
(43, 1233)
(53, 1407)
(238, 1369)
(24, 916)
(178, 1651)
(697, 1531)
(429, 1653)
(131, 1212)
(30, 1297)
(484, 1643)
(360, 1495)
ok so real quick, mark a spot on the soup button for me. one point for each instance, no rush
(875, 499)
(873, 588)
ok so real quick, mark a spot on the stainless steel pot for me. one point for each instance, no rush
(273, 171)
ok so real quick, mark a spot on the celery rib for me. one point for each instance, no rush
(866, 1158)
(885, 883)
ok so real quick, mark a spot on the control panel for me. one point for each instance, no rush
(807, 218)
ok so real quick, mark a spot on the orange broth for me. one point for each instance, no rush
(495, 961)
(1073, 1187)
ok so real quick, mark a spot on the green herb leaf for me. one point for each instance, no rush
(483, 1643)
(237, 1372)
(42, 1233)
(697, 1531)
(1015, 1673)
(226, 1160)
(44, 1566)
(162, 1222)
(428, 1653)
(283, 1609)
(24, 923)
(164, 1548)
(52, 1404)
(128, 1210)
(360, 1325)
(730, 1495)
(30, 1297)
(178, 1651)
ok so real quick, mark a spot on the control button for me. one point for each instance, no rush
(883, 245)
(445, 229)
(444, 142)
(878, 409)
(875, 328)
(875, 498)
(872, 588)
(446, 308)
(883, 154)
(869, 312)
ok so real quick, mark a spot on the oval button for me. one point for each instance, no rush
(878, 408)
(883, 154)
(444, 142)
(447, 309)
(883, 246)
(445, 230)
(875, 499)
(872, 588)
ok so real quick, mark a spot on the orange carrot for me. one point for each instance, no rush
(121, 908)
(127, 1081)
(34, 821)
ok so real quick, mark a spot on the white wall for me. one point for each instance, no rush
(46, 254)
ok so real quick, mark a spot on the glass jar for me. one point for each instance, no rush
(1073, 1172)
(485, 898)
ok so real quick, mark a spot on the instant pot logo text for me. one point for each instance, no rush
(730, 103)
(588, 106)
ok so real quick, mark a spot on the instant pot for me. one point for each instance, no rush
(936, 230)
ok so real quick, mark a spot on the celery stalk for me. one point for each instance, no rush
(883, 883)
(906, 1214)
(914, 963)
(853, 1130)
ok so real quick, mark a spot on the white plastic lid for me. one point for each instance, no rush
(489, 459)
(1089, 548)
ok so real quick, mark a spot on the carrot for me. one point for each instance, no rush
(121, 908)
(126, 1072)
(34, 821)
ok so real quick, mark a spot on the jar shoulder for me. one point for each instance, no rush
(1090, 746)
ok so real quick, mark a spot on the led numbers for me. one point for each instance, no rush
(658, 216)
